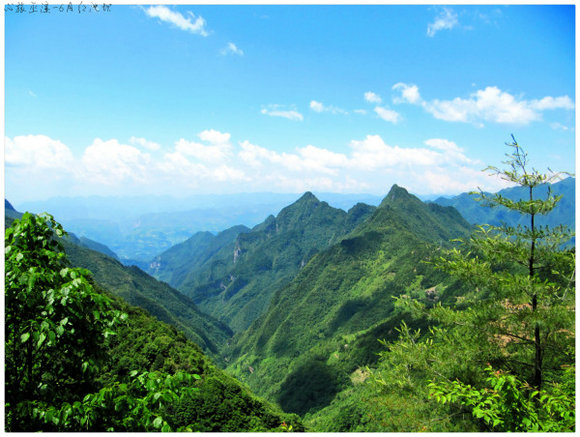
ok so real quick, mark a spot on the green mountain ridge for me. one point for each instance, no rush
(235, 278)
(344, 298)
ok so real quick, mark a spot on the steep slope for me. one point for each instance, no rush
(159, 299)
(128, 372)
(323, 325)
(222, 403)
(140, 289)
(475, 213)
(11, 214)
(173, 265)
(235, 283)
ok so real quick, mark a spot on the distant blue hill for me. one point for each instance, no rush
(474, 212)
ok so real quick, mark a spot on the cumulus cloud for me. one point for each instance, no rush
(447, 19)
(373, 153)
(320, 107)
(388, 114)
(110, 162)
(212, 163)
(190, 24)
(316, 106)
(36, 152)
(562, 102)
(218, 150)
(372, 97)
(214, 137)
(409, 93)
(487, 105)
(278, 111)
(146, 144)
(232, 49)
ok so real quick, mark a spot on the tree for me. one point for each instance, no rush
(516, 319)
(55, 322)
(524, 278)
(528, 276)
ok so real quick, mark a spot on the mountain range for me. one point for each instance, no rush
(323, 326)
(293, 306)
(234, 274)
(141, 227)
(475, 212)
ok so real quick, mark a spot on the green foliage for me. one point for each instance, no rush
(158, 298)
(507, 404)
(135, 406)
(56, 323)
(66, 371)
(517, 313)
(525, 277)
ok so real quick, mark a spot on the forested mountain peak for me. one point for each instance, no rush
(305, 208)
(308, 197)
(398, 195)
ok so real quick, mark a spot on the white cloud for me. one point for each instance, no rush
(37, 152)
(277, 111)
(146, 144)
(321, 160)
(31, 93)
(562, 102)
(212, 164)
(559, 126)
(388, 114)
(487, 105)
(196, 26)
(409, 93)
(490, 104)
(445, 145)
(316, 106)
(232, 49)
(111, 163)
(319, 107)
(214, 137)
(360, 111)
(447, 19)
(451, 151)
(372, 97)
(219, 149)
(373, 153)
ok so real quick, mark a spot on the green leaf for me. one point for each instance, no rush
(24, 337)
(158, 422)
(41, 339)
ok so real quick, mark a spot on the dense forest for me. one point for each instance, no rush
(408, 316)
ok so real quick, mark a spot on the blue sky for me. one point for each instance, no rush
(212, 99)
